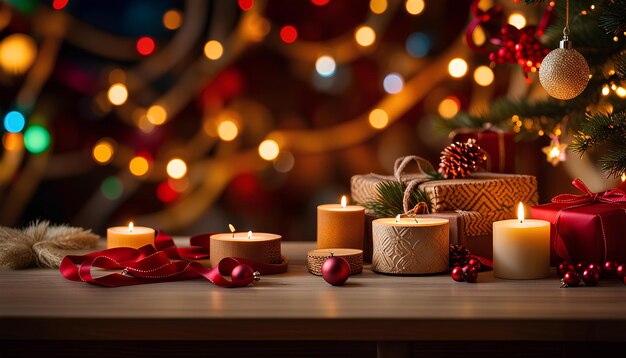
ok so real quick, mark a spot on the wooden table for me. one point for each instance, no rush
(39, 304)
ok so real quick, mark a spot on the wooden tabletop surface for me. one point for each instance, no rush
(41, 304)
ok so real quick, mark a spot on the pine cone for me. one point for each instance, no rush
(459, 255)
(458, 160)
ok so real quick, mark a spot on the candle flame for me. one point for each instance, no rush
(249, 234)
(131, 226)
(520, 212)
(623, 177)
(231, 227)
(344, 201)
(398, 218)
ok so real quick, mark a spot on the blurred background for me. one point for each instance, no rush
(189, 115)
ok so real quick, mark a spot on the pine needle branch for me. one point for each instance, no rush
(390, 194)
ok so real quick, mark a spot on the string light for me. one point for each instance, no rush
(288, 34)
(112, 188)
(213, 50)
(624, 177)
(621, 92)
(17, 53)
(483, 75)
(145, 45)
(246, 5)
(378, 6)
(268, 149)
(457, 68)
(320, 2)
(172, 19)
(36, 139)
(103, 151)
(14, 122)
(12, 141)
(449, 107)
(176, 168)
(166, 193)
(227, 130)
(378, 118)
(605, 90)
(59, 4)
(117, 94)
(414, 7)
(325, 66)
(156, 114)
(393, 83)
(518, 20)
(365, 36)
(478, 36)
(138, 166)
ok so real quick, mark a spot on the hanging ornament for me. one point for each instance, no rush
(564, 72)
(555, 152)
(458, 159)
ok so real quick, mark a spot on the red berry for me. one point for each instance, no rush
(563, 268)
(571, 279)
(581, 266)
(609, 268)
(476, 263)
(457, 274)
(591, 277)
(620, 271)
(470, 274)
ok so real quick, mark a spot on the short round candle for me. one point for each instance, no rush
(340, 226)
(130, 236)
(521, 248)
(257, 246)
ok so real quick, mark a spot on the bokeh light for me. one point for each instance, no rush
(17, 53)
(213, 50)
(166, 193)
(378, 6)
(176, 168)
(478, 36)
(36, 139)
(172, 19)
(449, 107)
(14, 122)
(320, 2)
(288, 34)
(112, 188)
(620, 92)
(418, 44)
(365, 36)
(246, 5)
(284, 162)
(414, 7)
(483, 75)
(457, 68)
(518, 20)
(227, 130)
(325, 66)
(145, 45)
(156, 114)
(378, 118)
(59, 4)
(12, 141)
(139, 166)
(103, 151)
(606, 90)
(393, 83)
(118, 94)
(268, 149)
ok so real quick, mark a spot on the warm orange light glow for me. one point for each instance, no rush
(449, 107)
(213, 50)
(365, 36)
(131, 226)
(172, 19)
(227, 130)
(378, 6)
(483, 75)
(268, 149)
(156, 114)
(176, 168)
(414, 7)
(518, 20)
(139, 166)
(457, 68)
(378, 118)
(344, 201)
(118, 94)
(103, 151)
(17, 53)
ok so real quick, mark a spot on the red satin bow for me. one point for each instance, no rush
(612, 195)
(169, 263)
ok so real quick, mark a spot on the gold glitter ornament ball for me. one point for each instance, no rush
(564, 73)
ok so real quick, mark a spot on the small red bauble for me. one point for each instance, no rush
(563, 268)
(470, 274)
(243, 273)
(335, 270)
(581, 266)
(476, 263)
(620, 271)
(608, 269)
(595, 266)
(570, 279)
(457, 274)
(591, 277)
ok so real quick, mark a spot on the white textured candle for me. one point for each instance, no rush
(521, 250)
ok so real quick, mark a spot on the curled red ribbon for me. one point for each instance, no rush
(613, 195)
(166, 263)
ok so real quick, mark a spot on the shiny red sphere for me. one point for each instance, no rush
(476, 263)
(608, 269)
(563, 267)
(595, 266)
(335, 270)
(571, 278)
(620, 270)
(581, 266)
(242, 273)
(457, 274)
(591, 277)
(470, 273)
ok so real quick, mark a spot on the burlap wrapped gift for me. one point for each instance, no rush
(477, 201)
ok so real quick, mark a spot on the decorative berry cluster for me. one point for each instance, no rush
(467, 273)
(521, 47)
(589, 273)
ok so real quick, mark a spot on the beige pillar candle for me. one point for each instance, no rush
(257, 246)
(340, 226)
(521, 248)
(130, 236)
(410, 245)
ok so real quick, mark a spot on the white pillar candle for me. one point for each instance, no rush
(521, 248)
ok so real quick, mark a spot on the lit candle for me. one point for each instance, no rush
(410, 245)
(130, 236)
(340, 226)
(521, 248)
(258, 246)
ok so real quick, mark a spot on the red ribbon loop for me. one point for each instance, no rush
(613, 195)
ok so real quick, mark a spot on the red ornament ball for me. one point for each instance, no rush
(620, 271)
(591, 277)
(470, 273)
(595, 266)
(242, 273)
(571, 279)
(563, 267)
(581, 266)
(608, 269)
(476, 263)
(335, 270)
(457, 274)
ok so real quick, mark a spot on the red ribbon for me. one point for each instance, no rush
(480, 17)
(613, 195)
(166, 263)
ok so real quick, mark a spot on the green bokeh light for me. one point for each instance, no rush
(36, 139)
(112, 188)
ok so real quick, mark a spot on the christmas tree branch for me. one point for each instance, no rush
(389, 198)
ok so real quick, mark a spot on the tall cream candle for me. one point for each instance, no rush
(340, 226)
(521, 248)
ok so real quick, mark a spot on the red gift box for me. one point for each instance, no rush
(587, 227)
(499, 145)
